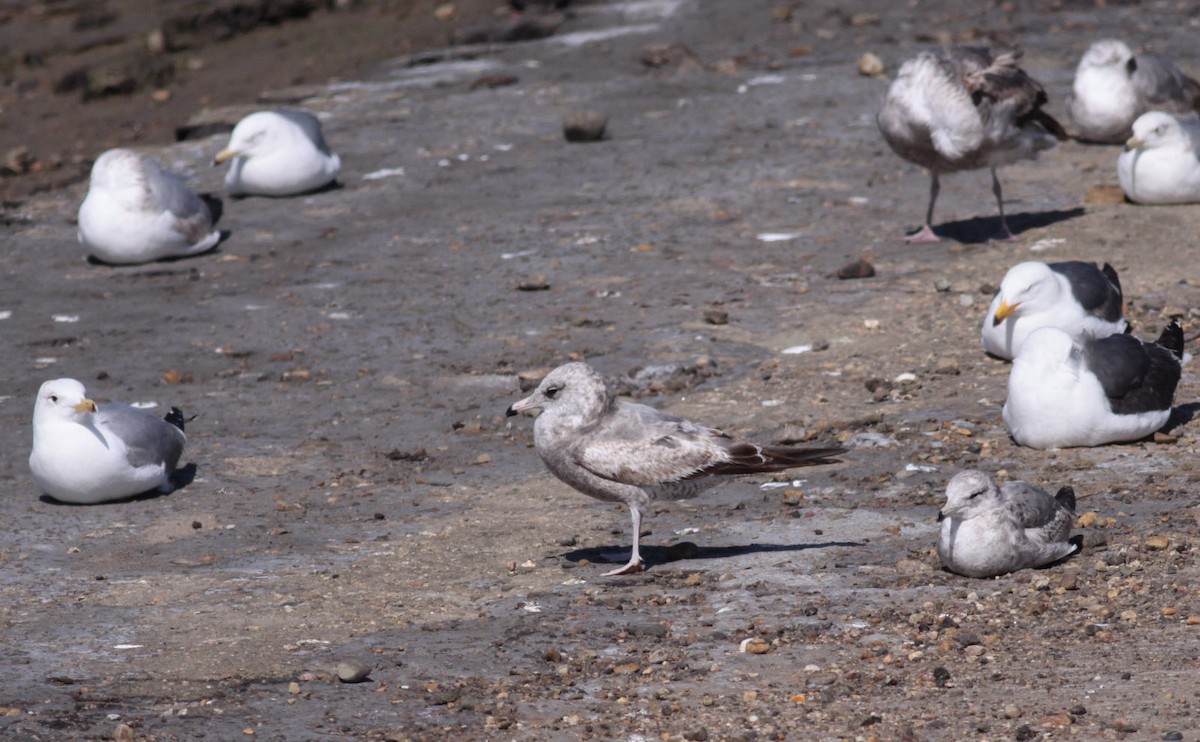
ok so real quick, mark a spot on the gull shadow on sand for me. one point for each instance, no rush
(182, 477)
(655, 555)
(979, 230)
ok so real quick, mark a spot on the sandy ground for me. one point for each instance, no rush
(359, 496)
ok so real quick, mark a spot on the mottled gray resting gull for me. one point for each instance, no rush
(84, 453)
(960, 109)
(278, 153)
(1079, 298)
(625, 452)
(988, 530)
(1161, 161)
(1064, 392)
(1113, 87)
(135, 212)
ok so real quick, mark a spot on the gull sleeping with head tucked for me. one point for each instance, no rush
(135, 212)
(1065, 392)
(1113, 87)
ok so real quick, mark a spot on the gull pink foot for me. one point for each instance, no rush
(634, 566)
(923, 237)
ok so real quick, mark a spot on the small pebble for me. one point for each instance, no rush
(942, 285)
(352, 672)
(584, 126)
(870, 65)
(858, 269)
(716, 317)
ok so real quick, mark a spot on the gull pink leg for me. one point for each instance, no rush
(635, 559)
(926, 235)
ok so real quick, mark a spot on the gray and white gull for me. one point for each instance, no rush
(87, 453)
(988, 530)
(626, 452)
(1113, 87)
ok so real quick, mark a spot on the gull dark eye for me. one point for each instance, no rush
(973, 495)
(551, 392)
(54, 398)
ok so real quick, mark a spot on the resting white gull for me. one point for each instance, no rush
(135, 212)
(1080, 298)
(278, 153)
(961, 109)
(988, 530)
(1064, 392)
(625, 452)
(1113, 87)
(1161, 161)
(88, 453)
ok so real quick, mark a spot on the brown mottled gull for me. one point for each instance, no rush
(625, 452)
(988, 530)
(961, 109)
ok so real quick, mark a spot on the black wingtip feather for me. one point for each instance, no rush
(1111, 274)
(1172, 338)
(1066, 496)
(175, 417)
(1077, 542)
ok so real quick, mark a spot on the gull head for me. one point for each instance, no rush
(572, 389)
(968, 493)
(62, 400)
(1156, 129)
(1029, 284)
(118, 169)
(1108, 53)
(257, 134)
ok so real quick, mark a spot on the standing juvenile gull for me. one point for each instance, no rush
(135, 212)
(1113, 87)
(625, 452)
(1077, 297)
(960, 109)
(1064, 392)
(1161, 161)
(988, 530)
(278, 153)
(84, 453)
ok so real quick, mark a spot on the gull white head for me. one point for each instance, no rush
(117, 169)
(62, 400)
(1030, 285)
(1106, 53)
(969, 493)
(571, 389)
(1157, 129)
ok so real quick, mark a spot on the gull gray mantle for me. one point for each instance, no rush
(625, 452)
